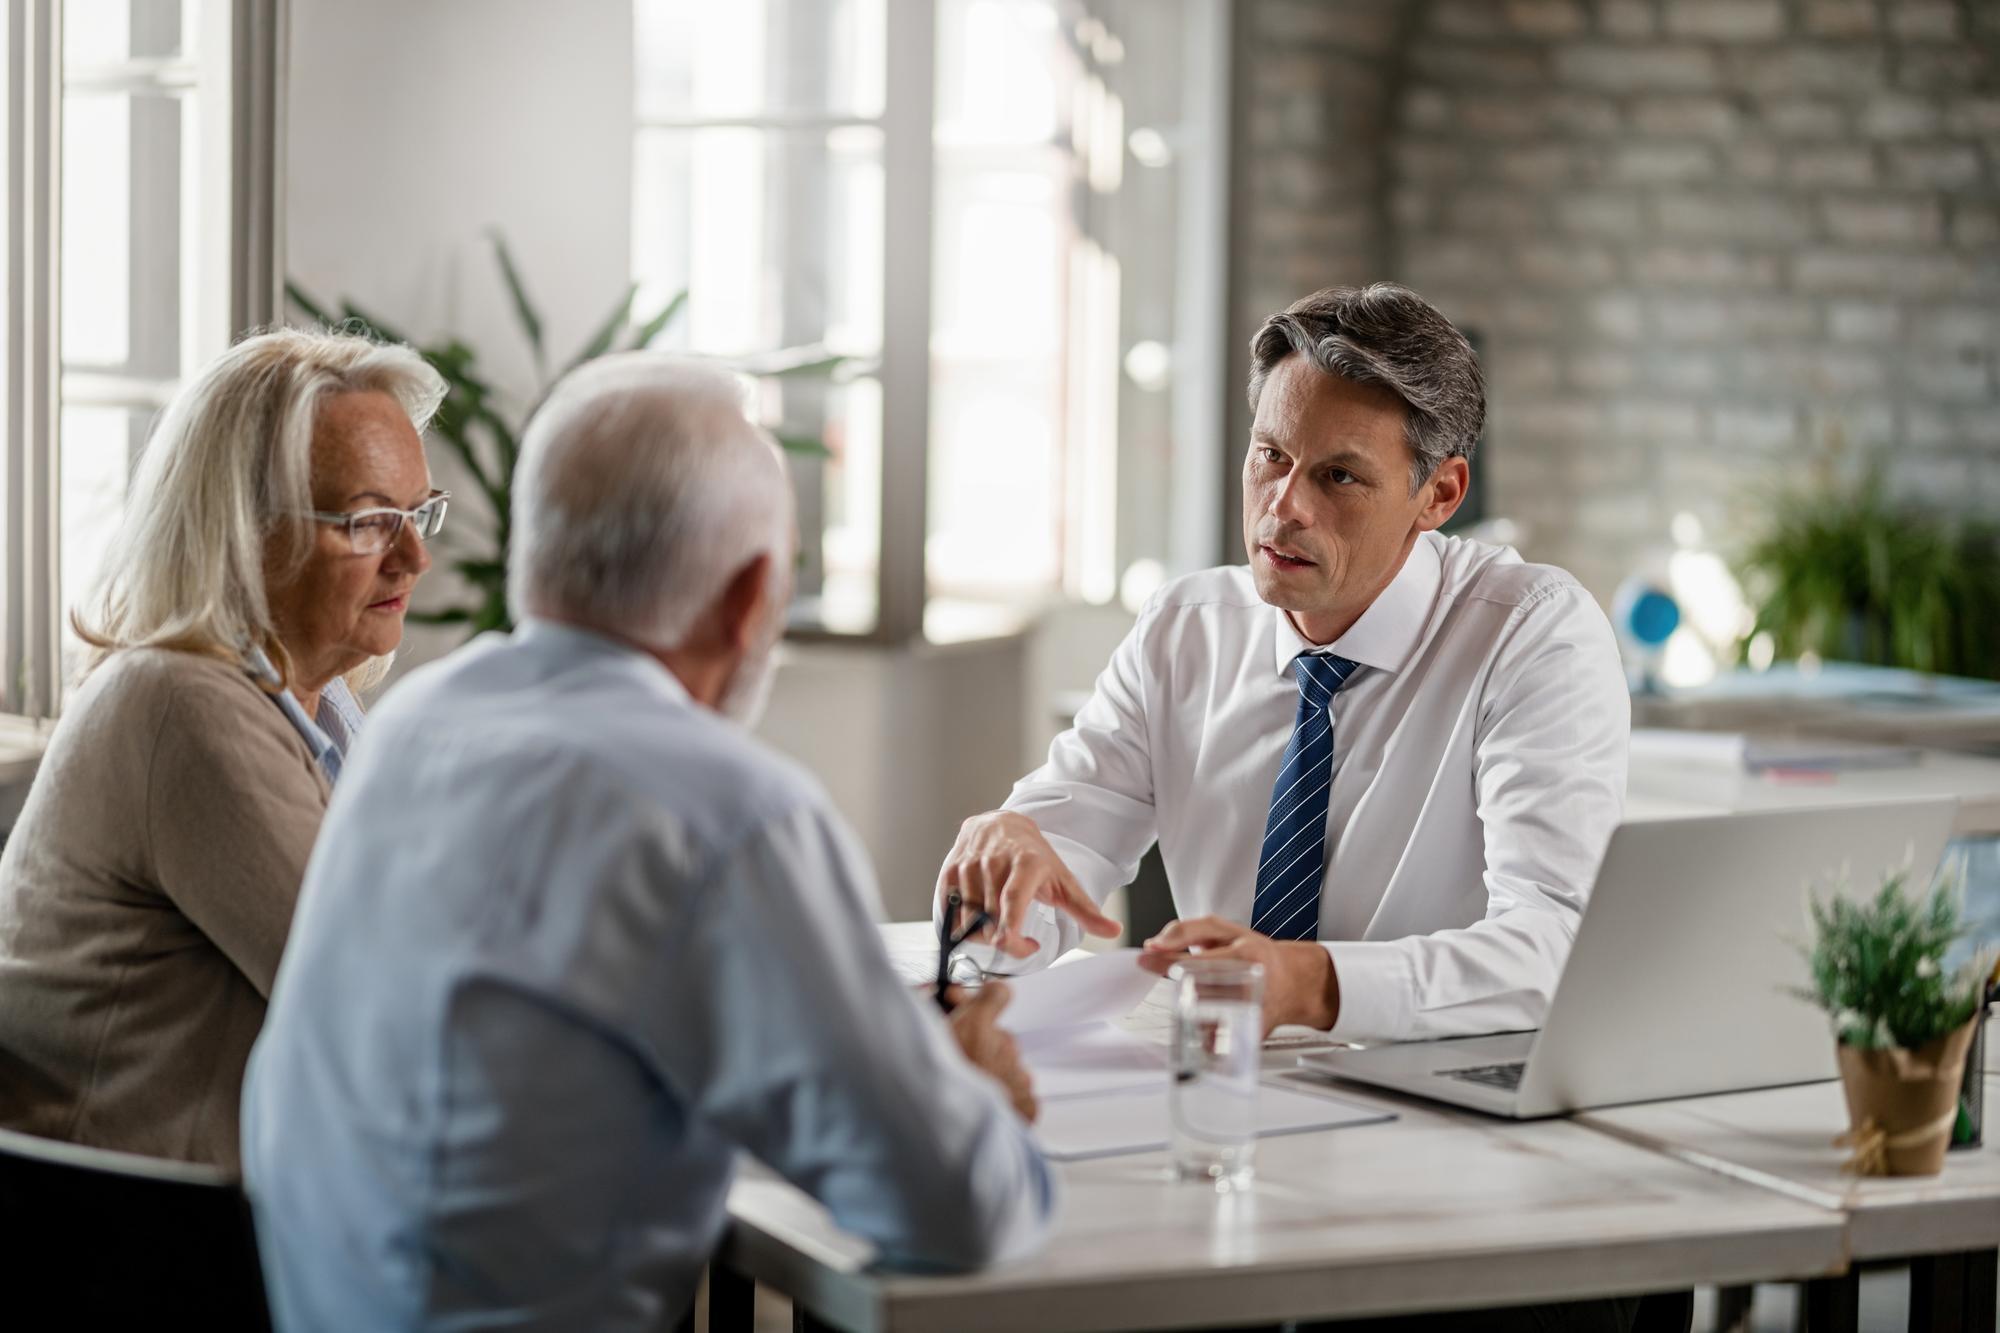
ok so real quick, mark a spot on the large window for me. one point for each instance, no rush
(130, 165)
(1000, 209)
(140, 207)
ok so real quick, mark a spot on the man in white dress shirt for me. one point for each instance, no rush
(1381, 761)
(571, 939)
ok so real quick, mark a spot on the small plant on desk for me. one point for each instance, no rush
(1903, 1023)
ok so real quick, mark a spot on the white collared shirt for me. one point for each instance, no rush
(1479, 770)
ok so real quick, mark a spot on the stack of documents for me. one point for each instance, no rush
(1103, 1090)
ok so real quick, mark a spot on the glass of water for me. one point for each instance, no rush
(1218, 1041)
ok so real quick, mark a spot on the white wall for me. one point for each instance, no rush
(911, 741)
(415, 126)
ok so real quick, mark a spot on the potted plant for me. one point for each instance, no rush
(1902, 1022)
(1847, 573)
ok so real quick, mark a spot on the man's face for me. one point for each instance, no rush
(1328, 516)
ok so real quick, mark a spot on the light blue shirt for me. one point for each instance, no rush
(567, 942)
(330, 732)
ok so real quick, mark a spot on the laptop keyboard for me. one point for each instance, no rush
(1506, 1077)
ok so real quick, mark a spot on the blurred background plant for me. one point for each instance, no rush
(1846, 573)
(481, 425)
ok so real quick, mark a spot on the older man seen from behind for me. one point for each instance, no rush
(572, 938)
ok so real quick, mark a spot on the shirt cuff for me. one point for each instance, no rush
(1042, 927)
(1376, 990)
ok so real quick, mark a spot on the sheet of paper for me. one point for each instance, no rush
(1110, 1124)
(1091, 1058)
(1097, 988)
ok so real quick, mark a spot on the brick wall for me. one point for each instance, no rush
(1704, 241)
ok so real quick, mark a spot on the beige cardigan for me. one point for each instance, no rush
(144, 899)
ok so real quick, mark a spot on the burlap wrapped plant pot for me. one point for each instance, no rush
(1901, 1104)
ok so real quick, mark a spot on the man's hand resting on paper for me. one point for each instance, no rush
(1000, 864)
(975, 1018)
(1299, 981)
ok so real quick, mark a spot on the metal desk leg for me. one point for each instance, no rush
(1953, 1290)
(1732, 1309)
(1831, 1304)
(732, 1300)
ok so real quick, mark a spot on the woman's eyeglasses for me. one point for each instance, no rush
(373, 531)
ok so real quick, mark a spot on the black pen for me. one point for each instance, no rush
(948, 942)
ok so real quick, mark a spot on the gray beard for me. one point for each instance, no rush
(749, 689)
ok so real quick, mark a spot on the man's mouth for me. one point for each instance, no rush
(1281, 558)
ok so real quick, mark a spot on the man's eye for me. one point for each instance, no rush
(1340, 476)
(1270, 455)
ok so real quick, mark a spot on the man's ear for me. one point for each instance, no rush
(742, 603)
(1447, 488)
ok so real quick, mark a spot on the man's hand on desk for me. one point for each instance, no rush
(975, 1024)
(1299, 981)
(1000, 864)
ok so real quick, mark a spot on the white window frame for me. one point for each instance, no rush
(234, 249)
(1199, 397)
(31, 640)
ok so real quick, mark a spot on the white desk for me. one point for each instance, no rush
(1434, 1210)
(1437, 1209)
(1781, 1139)
(1864, 703)
(1661, 791)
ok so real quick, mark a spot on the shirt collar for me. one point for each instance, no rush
(325, 750)
(576, 641)
(1388, 632)
(339, 714)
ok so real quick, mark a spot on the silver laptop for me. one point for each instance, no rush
(1678, 983)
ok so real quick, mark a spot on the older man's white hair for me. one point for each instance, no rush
(642, 489)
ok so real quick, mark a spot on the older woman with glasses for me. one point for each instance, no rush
(274, 529)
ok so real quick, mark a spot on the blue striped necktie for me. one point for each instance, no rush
(1293, 859)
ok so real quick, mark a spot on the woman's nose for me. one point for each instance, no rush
(408, 551)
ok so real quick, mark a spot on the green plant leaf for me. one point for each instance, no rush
(652, 328)
(524, 309)
(450, 615)
(804, 445)
(483, 572)
(793, 363)
(313, 309)
(1847, 573)
(600, 342)
(1877, 967)
(371, 326)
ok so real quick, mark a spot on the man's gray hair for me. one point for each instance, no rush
(1387, 336)
(642, 489)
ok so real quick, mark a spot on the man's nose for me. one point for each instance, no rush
(1287, 503)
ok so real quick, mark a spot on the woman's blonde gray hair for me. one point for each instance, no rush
(217, 501)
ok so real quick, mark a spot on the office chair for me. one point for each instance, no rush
(91, 1238)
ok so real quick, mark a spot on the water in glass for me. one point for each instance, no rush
(1217, 1040)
